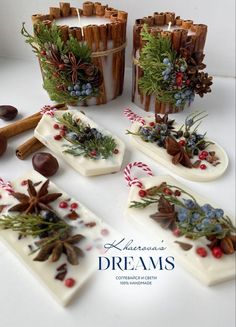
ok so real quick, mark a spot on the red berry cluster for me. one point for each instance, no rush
(62, 132)
(216, 252)
(202, 156)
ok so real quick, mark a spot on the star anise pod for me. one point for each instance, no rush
(166, 215)
(202, 83)
(227, 244)
(54, 249)
(35, 200)
(178, 152)
(164, 120)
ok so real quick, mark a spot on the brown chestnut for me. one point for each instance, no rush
(45, 164)
(8, 112)
(3, 144)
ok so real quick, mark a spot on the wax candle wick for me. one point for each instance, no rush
(169, 26)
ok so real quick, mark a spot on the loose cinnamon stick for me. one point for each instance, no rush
(25, 124)
(39, 18)
(20, 126)
(27, 148)
(65, 9)
(88, 7)
(55, 12)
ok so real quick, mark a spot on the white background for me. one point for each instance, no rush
(217, 14)
(175, 299)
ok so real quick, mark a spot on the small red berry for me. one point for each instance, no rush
(182, 142)
(152, 124)
(217, 252)
(69, 282)
(93, 153)
(202, 252)
(63, 204)
(167, 191)
(74, 206)
(24, 183)
(62, 133)
(56, 126)
(61, 66)
(203, 166)
(116, 151)
(104, 232)
(57, 137)
(203, 155)
(176, 232)
(63, 128)
(142, 193)
(188, 82)
(177, 193)
(43, 52)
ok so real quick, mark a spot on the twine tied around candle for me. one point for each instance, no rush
(108, 51)
(135, 181)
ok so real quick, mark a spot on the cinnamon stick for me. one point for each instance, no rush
(176, 39)
(27, 148)
(187, 24)
(55, 12)
(178, 21)
(98, 61)
(65, 9)
(88, 7)
(73, 12)
(64, 32)
(20, 126)
(99, 9)
(147, 102)
(109, 12)
(170, 17)
(159, 18)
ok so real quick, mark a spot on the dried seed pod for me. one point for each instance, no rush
(226, 245)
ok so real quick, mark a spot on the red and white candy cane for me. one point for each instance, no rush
(135, 181)
(6, 186)
(133, 117)
(48, 110)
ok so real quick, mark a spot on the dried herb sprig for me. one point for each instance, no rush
(193, 220)
(32, 225)
(86, 141)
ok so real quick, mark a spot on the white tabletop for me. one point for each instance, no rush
(175, 298)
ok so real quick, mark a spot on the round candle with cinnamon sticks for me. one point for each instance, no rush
(178, 76)
(86, 66)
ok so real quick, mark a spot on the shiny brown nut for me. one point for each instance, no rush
(8, 112)
(3, 144)
(45, 164)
